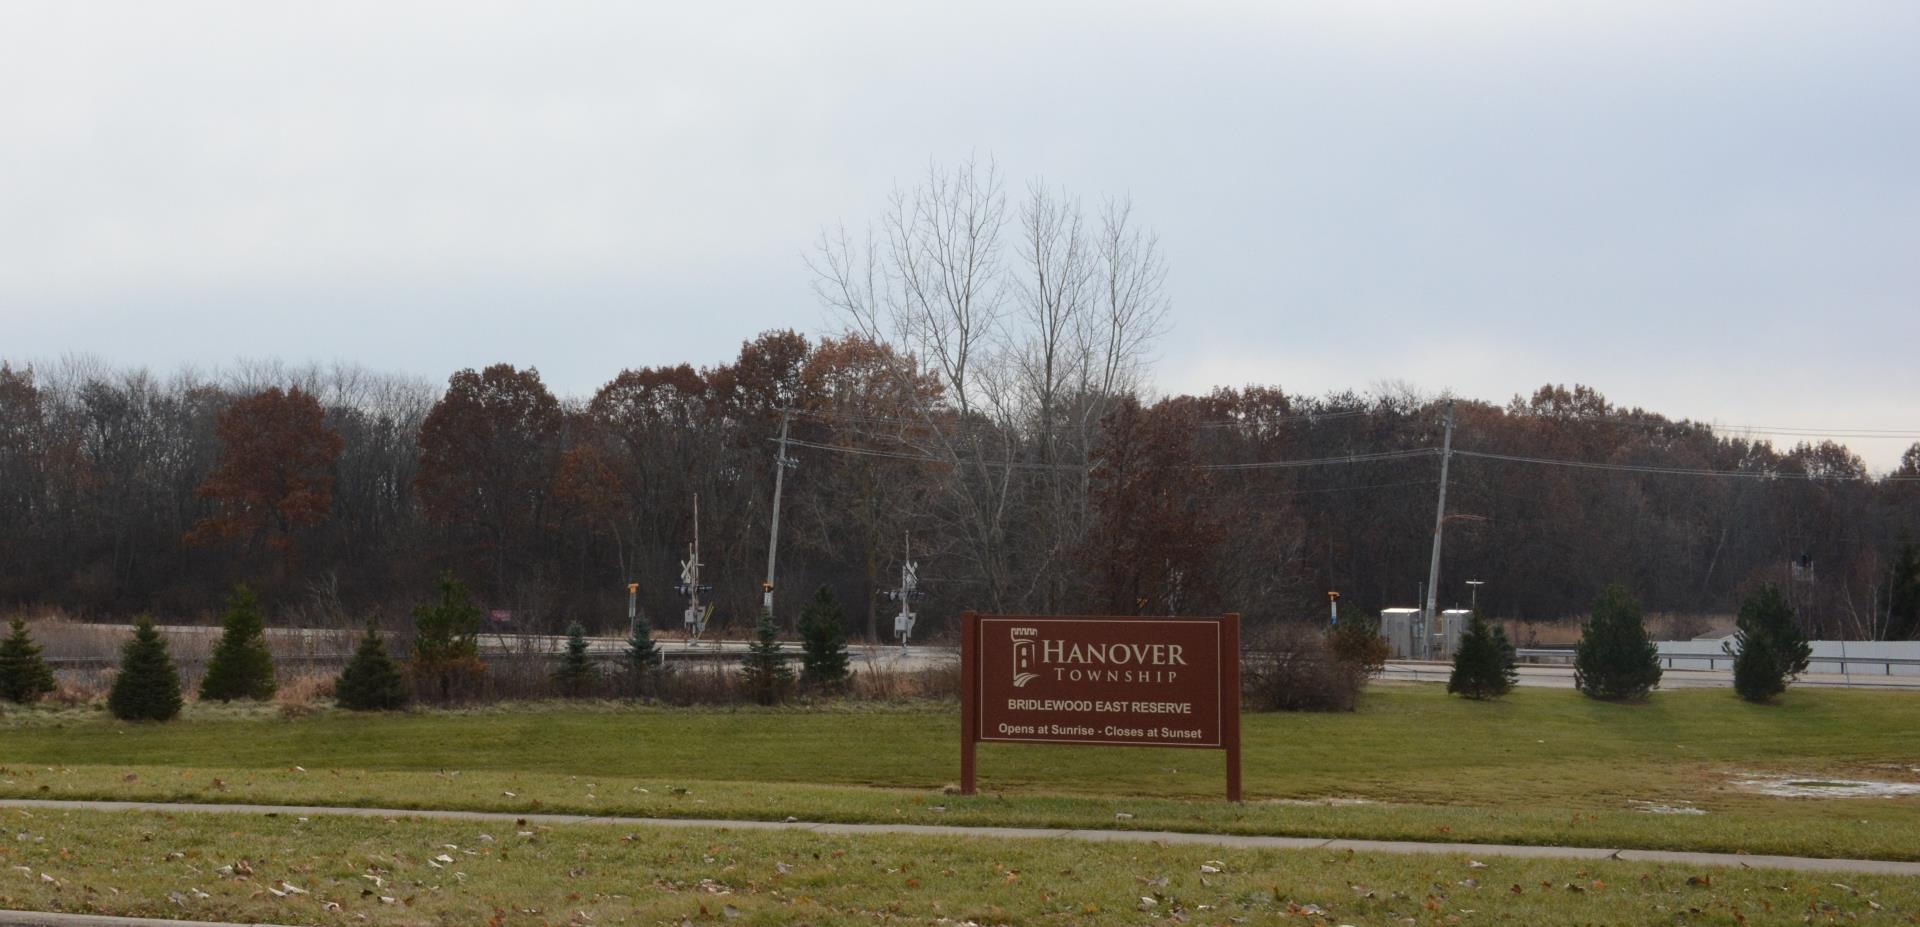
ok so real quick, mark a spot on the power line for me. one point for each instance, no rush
(861, 451)
(898, 455)
(1719, 430)
(1672, 471)
(1026, 465)
(1734, 430)
(1309, 492)
(863, 419)
(1323, 461)
(1381, 456)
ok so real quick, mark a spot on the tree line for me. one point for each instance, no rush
(987, 402)
(346, 492)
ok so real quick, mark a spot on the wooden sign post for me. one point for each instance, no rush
(1147, 682)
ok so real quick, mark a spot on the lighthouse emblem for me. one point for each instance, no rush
(1023, 657)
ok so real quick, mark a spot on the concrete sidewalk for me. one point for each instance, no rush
(46, 919)
(1242, 842)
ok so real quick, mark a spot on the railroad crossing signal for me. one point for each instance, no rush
(696, 620)
(908, 591)
(690, 586)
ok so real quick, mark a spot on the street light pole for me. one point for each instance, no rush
(1474, 598)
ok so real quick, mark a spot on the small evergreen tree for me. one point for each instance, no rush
(575, 674)
(1615, 661)
(24, 675)
(148, 687)
(1509, 655)
(241, 666)
(823, 636)
(446, 637)
(1768, 647)
(371, 681)
(1356, 641)
(765, 668)
(645, 661)
(1903, 594)
(1483, 666)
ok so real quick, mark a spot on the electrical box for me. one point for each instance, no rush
(1448, 631)
(1396, 625)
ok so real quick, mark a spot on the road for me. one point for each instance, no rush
(334, 646)
(1561, 677)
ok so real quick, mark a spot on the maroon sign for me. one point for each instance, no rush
(1162, 682)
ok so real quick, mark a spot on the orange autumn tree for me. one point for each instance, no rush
(488, 451)
(275, 473)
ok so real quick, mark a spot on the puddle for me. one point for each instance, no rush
(1654, 807)
(1797, 787)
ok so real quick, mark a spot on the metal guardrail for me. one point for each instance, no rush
(1543, 654)
(552, 649)
(1565, 655)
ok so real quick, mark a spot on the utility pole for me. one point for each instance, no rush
(1425, 645)
(780, 464)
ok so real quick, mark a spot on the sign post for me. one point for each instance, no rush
(1149, 682)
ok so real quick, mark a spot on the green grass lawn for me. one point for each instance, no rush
(1542, 766)
(408, 871)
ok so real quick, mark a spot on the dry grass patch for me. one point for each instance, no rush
(418, 872)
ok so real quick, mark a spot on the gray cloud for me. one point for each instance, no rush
(1707, 211)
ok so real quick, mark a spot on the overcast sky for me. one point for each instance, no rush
(1711, 210)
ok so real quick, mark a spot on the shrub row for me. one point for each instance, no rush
(1285, 667)
(1617, 661)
